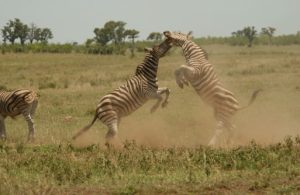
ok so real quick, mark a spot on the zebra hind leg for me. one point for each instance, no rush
(230, 135)
(2, 128)
(215, 140)
(33, 107)
(179, 77)
(111, 135)
(30, 124)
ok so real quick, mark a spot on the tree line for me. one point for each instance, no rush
(16, 29)
(114, 38)
(248, 36)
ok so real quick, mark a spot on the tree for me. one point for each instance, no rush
(13, 30)
(33, 33)
(39, 34)
(155, 36)
(22, 31)
(269, 31)
(112, 31)
(102, 36)
(9, 32)
(238, 33)
(89, 42)
(4, 35)
(45, 35)
(119, 32)
(132, 34)
(250, 34)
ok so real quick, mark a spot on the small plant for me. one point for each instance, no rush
(20, 147)
(2, 87)
(47, 85)
(289, 142)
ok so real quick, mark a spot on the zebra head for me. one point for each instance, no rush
(177, 38)
(159, 50)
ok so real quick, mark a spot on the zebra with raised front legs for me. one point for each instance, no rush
(133, 94)
(201, 75)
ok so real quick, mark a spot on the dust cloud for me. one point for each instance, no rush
(268, 120)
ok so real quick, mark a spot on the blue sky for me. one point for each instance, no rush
(74, 20)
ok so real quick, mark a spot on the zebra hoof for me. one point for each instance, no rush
(31, 136)
(212, 142)
(180, 85)
(186, 83)
(31, 140)
(164, 104)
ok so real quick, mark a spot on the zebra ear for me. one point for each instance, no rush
(167, 33)
(147, 49)
(189, 36)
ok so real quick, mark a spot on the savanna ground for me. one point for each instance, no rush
(168, 154)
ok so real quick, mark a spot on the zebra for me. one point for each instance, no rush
(132, 95)
(17, 102)
(201, 75)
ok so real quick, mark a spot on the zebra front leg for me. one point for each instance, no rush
(156, 105)
(182, 75)
(31, 129)
(167, 91)
(2, 128)
(158, 96)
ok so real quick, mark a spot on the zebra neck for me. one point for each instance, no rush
(149, 67)
(193, 52)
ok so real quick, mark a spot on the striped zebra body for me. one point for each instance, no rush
(123, 100)
(207, 85)
(17, 102)
(201, 75)
(132, 95)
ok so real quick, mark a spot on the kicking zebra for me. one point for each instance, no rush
(133, 94)
(201, 75)
(20, 101)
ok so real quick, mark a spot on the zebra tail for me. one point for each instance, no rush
(252, 99)
(84, 129)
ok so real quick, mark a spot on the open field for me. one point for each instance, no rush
(172, 158)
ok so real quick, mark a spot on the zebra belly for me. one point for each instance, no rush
(217, 96)
(119, 104)
(10, 114)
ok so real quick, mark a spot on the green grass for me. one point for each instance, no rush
(139, 169)
(169, 153)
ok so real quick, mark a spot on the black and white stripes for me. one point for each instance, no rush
(20, 101)
(133, 94)
(201, 75)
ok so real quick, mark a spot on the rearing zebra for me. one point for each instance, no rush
(20, 101)
(133, 94)
(201, 75)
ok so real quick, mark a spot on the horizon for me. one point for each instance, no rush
(74, 21)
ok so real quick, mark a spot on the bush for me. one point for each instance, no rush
(139, 45)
